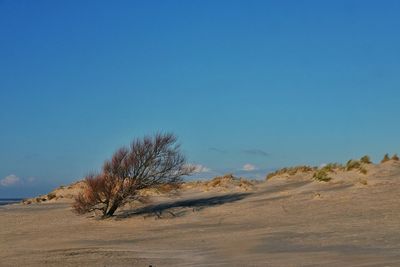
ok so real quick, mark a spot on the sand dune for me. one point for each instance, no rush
(289, 220)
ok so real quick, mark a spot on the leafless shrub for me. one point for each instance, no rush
(395, 157)
(148, 162)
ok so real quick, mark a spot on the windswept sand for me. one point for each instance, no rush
(353, 220)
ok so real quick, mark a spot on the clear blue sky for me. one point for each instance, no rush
(262, 83)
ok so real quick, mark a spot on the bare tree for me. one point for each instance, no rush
(147, 162)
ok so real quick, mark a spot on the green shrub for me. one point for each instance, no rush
(366, 160)
(321, 176)
(385, 158)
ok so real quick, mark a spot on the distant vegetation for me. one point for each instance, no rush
(331, 167)
(353, 164)
(292, 171)
(50, 196)
(358, 164)
(228, 179)
(385, 158)
(366, 160)
(322, 173)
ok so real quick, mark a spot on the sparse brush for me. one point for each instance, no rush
(226, 176)
(395, 157)
(358, 165)
(331, 167)
(363, 170)
(276, 173)
(366, 160)
(40, 199)
(353, 164)
(305, 168)
(167, 188)
(291, 171)
(219, 180)
(321, 176)
(385, 158)
(51, 196)
(245, 183)
(214, 183)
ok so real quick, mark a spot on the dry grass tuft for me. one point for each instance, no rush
(363, 170)
(50, 196)
(353, 164)
(225, 182)
(321, 175)
(332, 167)
(291, 171)
(358, 164)
(366, 160)
(167, 188)
(385, 158)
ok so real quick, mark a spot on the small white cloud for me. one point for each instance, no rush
(198, 168)
(10, 180)
(248, 167)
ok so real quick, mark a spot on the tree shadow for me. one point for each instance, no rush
(181, 207)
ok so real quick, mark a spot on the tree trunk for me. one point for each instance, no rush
(113, 208)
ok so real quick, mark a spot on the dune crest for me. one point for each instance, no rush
(288, 220)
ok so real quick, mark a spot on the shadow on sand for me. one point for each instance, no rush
(181, 207)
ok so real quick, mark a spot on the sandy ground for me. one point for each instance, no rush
(350, 221)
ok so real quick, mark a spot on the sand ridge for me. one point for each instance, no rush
(285, 221)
